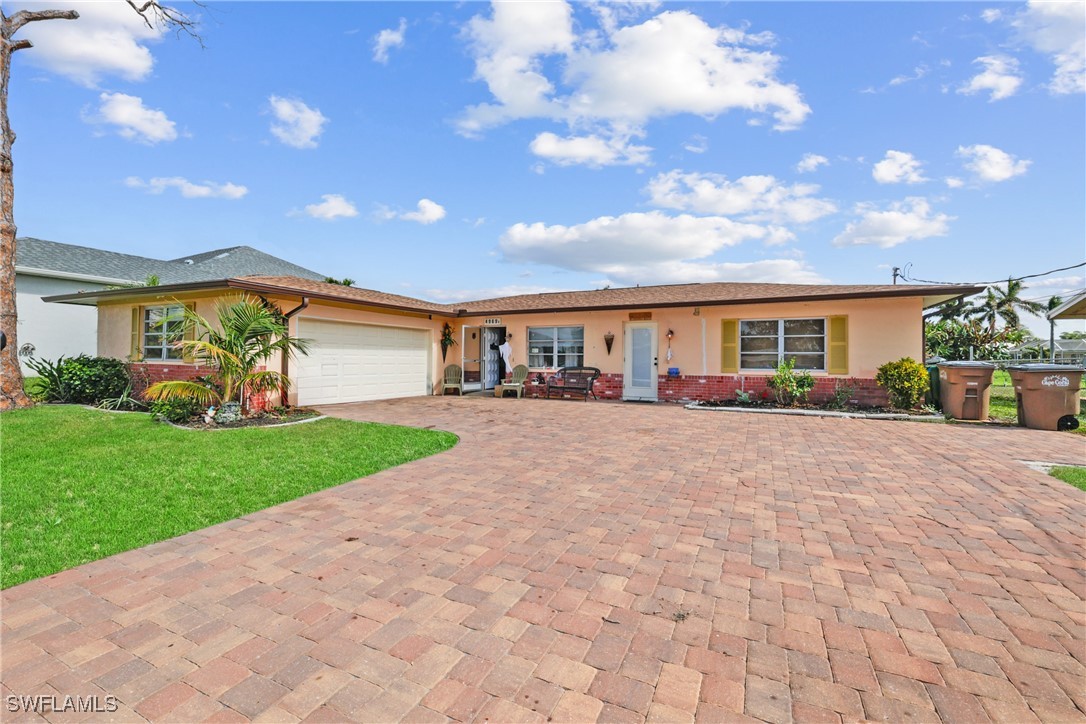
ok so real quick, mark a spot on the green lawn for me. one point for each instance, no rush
(1074, 475)
(80, 484)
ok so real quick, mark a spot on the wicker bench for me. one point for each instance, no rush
(576, 380)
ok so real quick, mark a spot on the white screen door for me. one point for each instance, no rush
(639, 378)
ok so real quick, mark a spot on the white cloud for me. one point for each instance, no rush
(1000, 76)
(108, 39)
(898, 167)
(752, 198)
(427, 212)
(610, 242)
(953, 182)
(591, 150)
(810, 162)
(918, 72)
(646, 247)
(611, 84)
(332, 206)
(677, 63)
(1058, 29)
(388, 39)
(188, 189)
(990, 15)
(992, 164)
(697, 144)
(132, 120)
(467, 295)
(296, 124)
(908, 220)
(775, 271)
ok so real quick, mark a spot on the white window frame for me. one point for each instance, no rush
(554, 340)
(163, 352)
(781, 354)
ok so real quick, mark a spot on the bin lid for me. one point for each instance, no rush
(967, 363)
(1045, 367)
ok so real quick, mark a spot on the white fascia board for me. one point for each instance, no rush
(53, 274)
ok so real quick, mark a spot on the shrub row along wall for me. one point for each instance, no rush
(692, 388)
(145, 374)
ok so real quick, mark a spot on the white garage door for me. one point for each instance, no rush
(354, 362)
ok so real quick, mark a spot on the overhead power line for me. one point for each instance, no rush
(904, 274)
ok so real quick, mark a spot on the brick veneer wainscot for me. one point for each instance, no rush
(692, 388)
(145, 374)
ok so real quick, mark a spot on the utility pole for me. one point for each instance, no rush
(897, 273)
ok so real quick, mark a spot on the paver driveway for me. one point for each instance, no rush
(579, 561)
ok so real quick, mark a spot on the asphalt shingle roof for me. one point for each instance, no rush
(234, 261)
(626, 297)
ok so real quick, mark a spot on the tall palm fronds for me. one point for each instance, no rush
(1005, 304)
(248, 333)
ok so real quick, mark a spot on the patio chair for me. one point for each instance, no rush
(516, 384)
(454, 379)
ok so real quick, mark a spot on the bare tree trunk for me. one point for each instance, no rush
(154, 14)
(11, 374)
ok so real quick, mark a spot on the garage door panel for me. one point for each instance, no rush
(355, 362)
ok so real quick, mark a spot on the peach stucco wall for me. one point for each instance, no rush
(115, 323)
(879, 331)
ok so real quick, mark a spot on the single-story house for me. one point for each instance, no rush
(48, 268)
(674, 342)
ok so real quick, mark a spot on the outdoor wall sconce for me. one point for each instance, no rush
(609, 339)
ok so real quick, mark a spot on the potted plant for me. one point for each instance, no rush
(248, 333)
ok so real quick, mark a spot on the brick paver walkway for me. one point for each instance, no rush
(577, 562)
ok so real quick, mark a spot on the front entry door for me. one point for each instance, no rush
(473, 358)
(639, 378)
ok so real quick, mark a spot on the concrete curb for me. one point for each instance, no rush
(821, 413)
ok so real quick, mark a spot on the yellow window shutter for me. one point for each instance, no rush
(137, 334)
(729, 346)
(190, 332)
(837, 359)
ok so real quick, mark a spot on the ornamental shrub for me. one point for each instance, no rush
(791, 388)
(905, 381)
(81, 380)
(176, 409)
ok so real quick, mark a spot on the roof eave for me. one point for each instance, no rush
(94, 297)
(71, 276)
(929, 301)
(1073, 308)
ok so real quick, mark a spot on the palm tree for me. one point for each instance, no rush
(952, 310)
(248, 333)
(1005, 304)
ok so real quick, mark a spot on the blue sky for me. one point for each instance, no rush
(467, 150)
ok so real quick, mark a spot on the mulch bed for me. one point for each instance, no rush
(258, 419)
(774, 405)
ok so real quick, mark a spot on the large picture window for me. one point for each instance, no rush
(765, 343)
(555, 346)
(162, 327)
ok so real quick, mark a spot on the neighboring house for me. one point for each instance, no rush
(47, 268)
(722, 337)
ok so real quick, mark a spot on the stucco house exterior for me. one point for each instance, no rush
(722, 337)
(48, 268)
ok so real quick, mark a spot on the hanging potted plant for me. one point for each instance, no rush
(446, 340)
